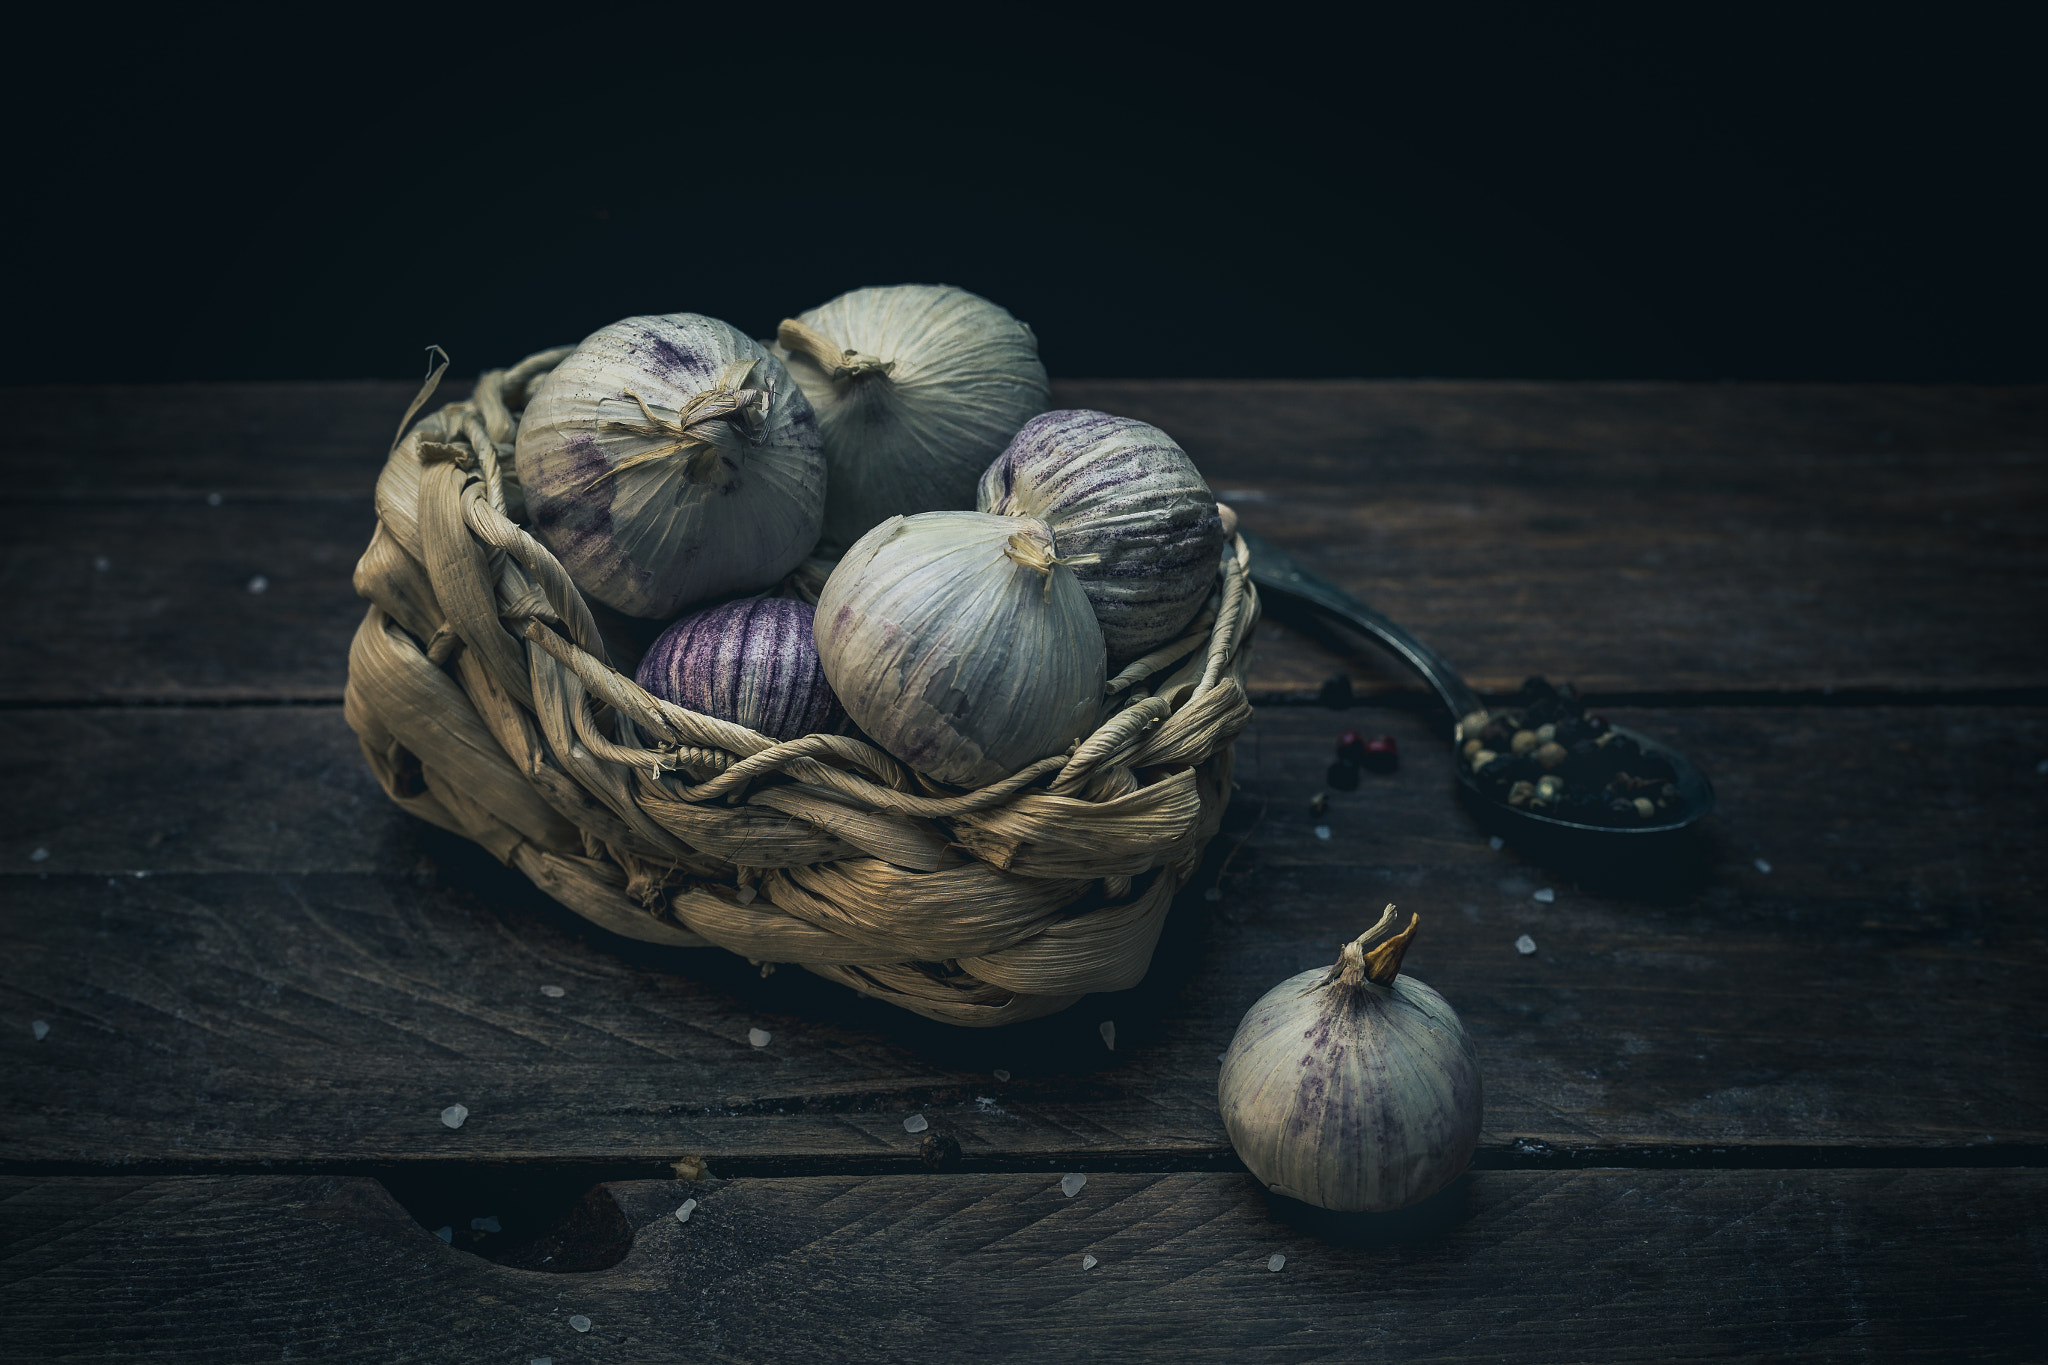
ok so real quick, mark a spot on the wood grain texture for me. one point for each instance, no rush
(1640, 538)
(1535, 1266)
(321, 990)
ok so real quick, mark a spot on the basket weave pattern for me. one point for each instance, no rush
(480, 688)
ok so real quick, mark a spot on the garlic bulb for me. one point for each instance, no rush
(751, 662)
(962, 644)
(1353, 1088)
(1122, 491)
(916, 386)
(669, 460)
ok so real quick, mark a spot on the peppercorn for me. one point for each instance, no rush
(1519, 794)
(1473, 746)
(1319, 803)
(1645, 807)
(1552, 754)
(1525, 741)
(1381, 754)
(1350, 747)
(1482, 758)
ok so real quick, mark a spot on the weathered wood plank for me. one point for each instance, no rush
(1877, 987)
(1538, 1266)
(1634, 538)
(139, 600)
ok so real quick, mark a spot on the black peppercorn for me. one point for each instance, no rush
(1380, 754)
(940, 1151)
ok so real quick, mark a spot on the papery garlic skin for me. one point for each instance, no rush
(1124, 491)
(752, 662)
(960, 644)
(919, 387)
(1361, 1097)
(736, 501)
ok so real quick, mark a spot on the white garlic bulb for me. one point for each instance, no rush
(1125, 492)
(1353, 1088)
(917, 387)
(962, 644)
(669, 460)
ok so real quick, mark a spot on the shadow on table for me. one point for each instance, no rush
(1433, 1218)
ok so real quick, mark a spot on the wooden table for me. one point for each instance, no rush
(1790, 1104)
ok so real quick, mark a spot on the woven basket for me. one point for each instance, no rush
(481, 689)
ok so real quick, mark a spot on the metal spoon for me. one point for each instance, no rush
(1278, 575)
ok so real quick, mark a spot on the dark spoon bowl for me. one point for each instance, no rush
(1279, 576)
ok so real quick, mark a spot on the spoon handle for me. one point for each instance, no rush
(1277, 572)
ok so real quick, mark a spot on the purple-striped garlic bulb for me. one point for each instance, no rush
(1120, 490)
(752, 662)
(672, 460)
(1353, 1088)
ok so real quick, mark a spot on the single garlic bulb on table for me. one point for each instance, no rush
(1124, 492)
(917, 387)
(962, 644)
(670, 460)
(1353, 1088)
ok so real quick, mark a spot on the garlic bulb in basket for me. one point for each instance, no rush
(669, 460)
(962, 644)
(1353, 1088)
(1123, 491)
(916, 386)
(752, 662)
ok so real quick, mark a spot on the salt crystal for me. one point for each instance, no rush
(1001, 1074)
(40, 1029)
(490, 1224)
(1544, 896)
(1108, 1031)
(1070, 1185)
(1214, 893)
(542, 1360)
(759, 1037)
(101, 563)
(579, 1322)
(39, 855)
(985, 1103)
(1275, 1261)
(259, 584)
(213, 499)
(916, 1123)
(446, 1234)
(1762, 866)
(1525, 945)
(1089, 1263)
(683, 1214)
(1322, 831)
(553, 992)
(745, 895)
(1496, 843)
(2042, 767)
(1221, 1055)
(454, 1115)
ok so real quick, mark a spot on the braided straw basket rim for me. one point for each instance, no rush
(480, 689)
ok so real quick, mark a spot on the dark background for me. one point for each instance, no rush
(1484, 191)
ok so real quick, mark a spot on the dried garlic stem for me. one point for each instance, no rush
(1032, 553)
(720, 418)
(1376, 954)
(847, 364)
